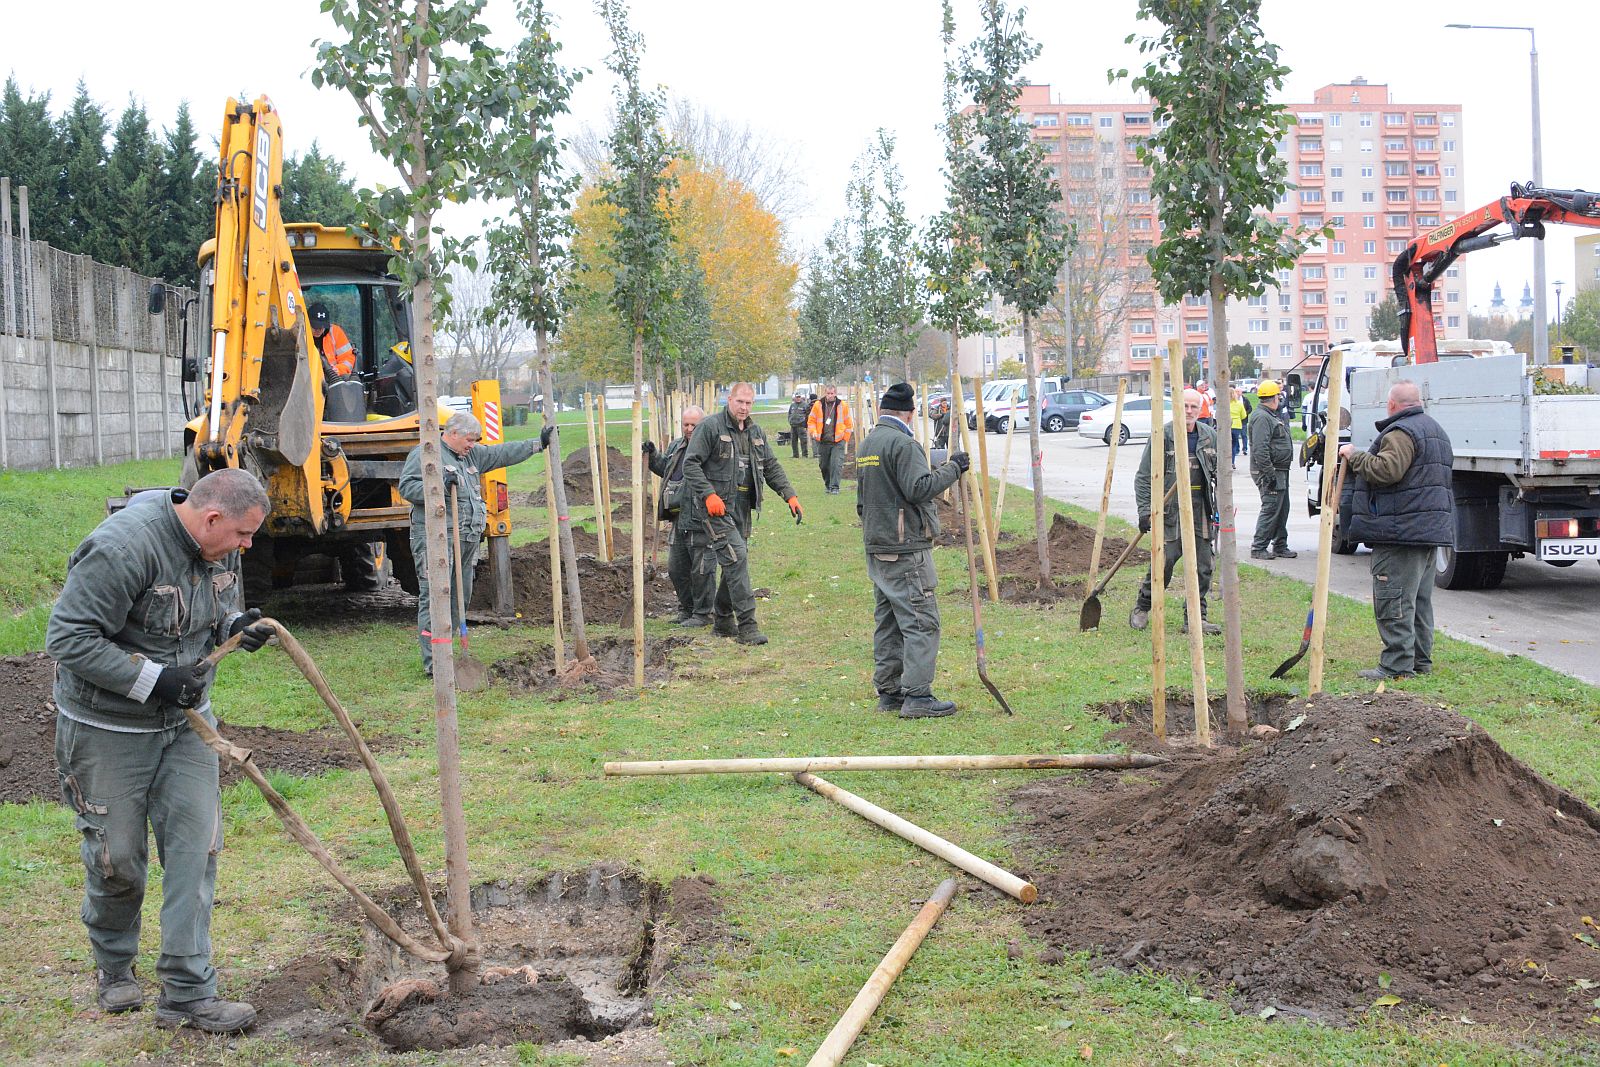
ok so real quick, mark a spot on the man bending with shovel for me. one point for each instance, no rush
(465, 461)
(1202, 484)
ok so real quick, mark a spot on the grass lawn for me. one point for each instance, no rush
(813, 895)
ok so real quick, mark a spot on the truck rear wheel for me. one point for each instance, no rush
(1468, 570)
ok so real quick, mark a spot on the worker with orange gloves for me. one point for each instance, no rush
(830, 426)
(727, 461)
(332, 341)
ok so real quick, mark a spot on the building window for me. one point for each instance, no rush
(1423, 119)
(1449, 118)
(1139, 222)
(1369, 298)
(1313, 274)
(1105, 122)
(1394, 118)
(1142, 300)
(1139, 248)
(1335, 120)
(1366, 146)
(1394, 144)
(1394, 245)
(1318, 324)
(1449, 170)
(1336, 196)
(1369, 248)
(1336, 221)
(1336, 247)
(1136, 119)
(1449, 196)
(1427, 170)
(1340, 298)
(1139, 173)
(1108, 172)
(1047, 120)
(1368, 196)
(1079, 172)
(1168, 329)
(1397, 196)
(1453, 272)
(1310, 144)
(1368, 221)
(1261, 301)
(1314, 298)
(1310, 118)
(1428, 196)
(1449, 146)
(1142, 328)
(1427, 221)
(1078, 120)
(1336, 145)
(1397, 220)
(1451, 296)
(1313, 222)
(1286, 351)
(1366, 170)
(1366, 120)
(1195, 301)
(1258, 325)
(1285, 325)
(1393, 169)
(1452, 321)
(1426, 144)
(1335, 171)
(1143, 351)
(1196, 326)
(1338, 273)
(1311, 196)
(1138, 196)
(1369, 272)
(1260, 351)
(1311, 170)
(1340, 322)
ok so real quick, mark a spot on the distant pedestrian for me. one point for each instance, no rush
(941, 422)
(1208, 407)
(696, 586)
(1238, 411)
(1202, 444)
(895, 493)
(1271, 455)
(1403, 506)
(799, 439)
(830, 427)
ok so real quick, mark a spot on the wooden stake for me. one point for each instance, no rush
(1085, 761)
(854, 1020)
(605, 474)
(1105, 490)
(1158, 548)
(556, 642)
(594, 474)
(1191, 578)
(958, 413)
(985, 492)
(1002, 880)
(638, 543)
(1330, 457)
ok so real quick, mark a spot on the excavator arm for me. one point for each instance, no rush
(1427, 257)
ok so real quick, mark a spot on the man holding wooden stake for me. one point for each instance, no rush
(895, 493)
(1202, 443)
(695, 586)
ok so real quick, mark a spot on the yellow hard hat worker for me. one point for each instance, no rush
(402, 349)
(1266, 389)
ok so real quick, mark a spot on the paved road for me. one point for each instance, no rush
(1545, 613)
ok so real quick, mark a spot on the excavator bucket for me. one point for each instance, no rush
(286, 417)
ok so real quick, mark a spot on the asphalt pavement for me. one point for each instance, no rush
(1545, 613)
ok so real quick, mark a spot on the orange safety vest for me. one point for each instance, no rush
(843, 427)
(1205, 403)
(338, 350)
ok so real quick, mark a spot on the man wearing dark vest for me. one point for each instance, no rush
(1202, 445)
(895, 494)
(799, 439)
(1404, 508)
(696, 586)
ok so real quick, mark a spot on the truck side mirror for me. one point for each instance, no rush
(158, 297)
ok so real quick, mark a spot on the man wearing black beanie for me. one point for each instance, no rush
(895, 492)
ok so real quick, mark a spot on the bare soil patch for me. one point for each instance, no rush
(607, 587)
(572, 958)
(536, 670)
(577, 477)
(1071, 545)
(1379, 846)
(28, 738)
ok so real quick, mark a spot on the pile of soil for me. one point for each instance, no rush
(607, 587)
(579, 481)
(28, 738)
(568, 958)
(950, 534)
(536, 670)
(1071, 545)
(1378, 846)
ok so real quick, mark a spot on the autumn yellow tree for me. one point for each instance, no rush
(736, 248)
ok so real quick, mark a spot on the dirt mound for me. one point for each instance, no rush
(1071, 544)
(607, 587)
(536, 670)
(950, 534)
(577, 476)
(571, 956)
(1137, 716)
(28, 738)
(1380, 846)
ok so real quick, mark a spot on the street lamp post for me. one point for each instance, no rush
(1541, 313)
(1558, 313)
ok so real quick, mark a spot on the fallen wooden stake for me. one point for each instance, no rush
(1002, 880)
(854, 1020)
(1092, 761)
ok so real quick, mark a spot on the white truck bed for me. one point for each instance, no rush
(1494, 420)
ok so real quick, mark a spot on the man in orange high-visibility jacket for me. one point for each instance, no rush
(830, 427)
(331, 341)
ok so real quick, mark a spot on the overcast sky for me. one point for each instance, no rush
(825, 74)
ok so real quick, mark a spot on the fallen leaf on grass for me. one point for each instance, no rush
(1384, 981)
(1584, 984)
(1388, 1000)
(734, 1005)
(1295, 723)
(1267, 1012)
(789, 1051)
(1086, 1052)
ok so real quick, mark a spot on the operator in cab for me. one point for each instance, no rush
(332, 341)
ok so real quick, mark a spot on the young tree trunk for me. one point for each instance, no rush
(560, 517)
(637, 507)
(1041, 529)
(1228, 556)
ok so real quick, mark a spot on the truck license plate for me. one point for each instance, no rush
(1570, 548)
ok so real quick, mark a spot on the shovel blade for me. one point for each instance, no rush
(1089, 616)
(471, 674)
(1288, 664)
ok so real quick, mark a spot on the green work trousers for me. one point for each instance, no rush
(799, 441)
(425, 634)
(1272, 525)
(696, 588)
(720, 543)
(122, 786)
(1402, 602)
(905, 640)
(830, 457)
(1174, 552)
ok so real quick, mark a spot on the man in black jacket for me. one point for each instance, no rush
(895, 493)
(1404, 508)
(799, 440)
(696, 586)
(1271, 456)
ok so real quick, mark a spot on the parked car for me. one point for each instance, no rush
(1061, 411)
(1005, 396)
(1135, 420)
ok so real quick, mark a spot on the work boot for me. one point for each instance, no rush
(211, 1014)
(750, 634)
(1285, 553)
(724, 626)
(891, 701)
(1139, 618)
(1378, 674)
(926, 707)
(1207, 627)
(119, 992)
(695, 621)
(1262, 553)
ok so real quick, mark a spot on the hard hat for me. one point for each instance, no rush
(402, 349)
(1266, 389)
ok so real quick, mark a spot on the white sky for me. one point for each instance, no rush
(825, 74)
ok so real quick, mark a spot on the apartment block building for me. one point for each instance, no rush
(1586, 262)
(1377, 171)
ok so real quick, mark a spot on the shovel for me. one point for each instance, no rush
(1305, 638)
(977, 610)
(1089, 616)
(471, 674)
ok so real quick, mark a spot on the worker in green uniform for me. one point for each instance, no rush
(727, 461)
(1271, 455)
(895, 494)
(696, 587)
(464, 462)
(1203, 489)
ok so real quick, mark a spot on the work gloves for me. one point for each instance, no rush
(183, 686)
(961, 460)
(648, 448)
(715, 507)
(449, 477)
(545, 434)
(1144, 523)
(252, 634)
(796, 510)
